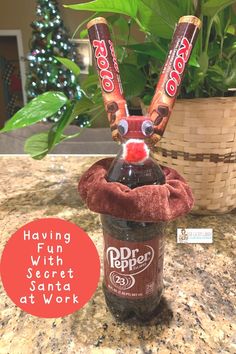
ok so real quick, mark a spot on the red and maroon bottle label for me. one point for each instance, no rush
(133, 269)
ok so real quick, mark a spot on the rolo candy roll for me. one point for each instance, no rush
(167, 88)
(108, 71)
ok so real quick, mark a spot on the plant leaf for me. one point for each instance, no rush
(121, 28)
(213, 49)
(37, 145)
(231, 30)
(55, 133)
(40, 107)
(218, 26)
(230, 46)
(113, 18)
(203, 62)
(230, 79)
(57, 129)
(186, 6)
(90, 81)
(82, 106)
(212, 7)
(83, 33)
(142, 60)
(158, 17)
(132, 58)
(69, 64)
(147, 48)
(133, 80)
(147, 99)
(193, 61)
(49, 38)
(117, 6)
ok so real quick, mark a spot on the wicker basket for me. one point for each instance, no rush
(200, 143)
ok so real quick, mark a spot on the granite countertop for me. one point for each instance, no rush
(198, 310)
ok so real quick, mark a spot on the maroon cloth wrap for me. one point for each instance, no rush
(147, 203)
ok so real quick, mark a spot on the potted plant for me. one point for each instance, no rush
(200, 136)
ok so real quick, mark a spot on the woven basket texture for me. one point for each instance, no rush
(200, 143)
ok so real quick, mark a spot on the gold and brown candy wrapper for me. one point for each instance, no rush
(108, 71)
(167, 89)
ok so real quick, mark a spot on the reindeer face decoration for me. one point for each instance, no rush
(135, 127)
(151, 127)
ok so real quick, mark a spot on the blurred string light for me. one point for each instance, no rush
(49, 39)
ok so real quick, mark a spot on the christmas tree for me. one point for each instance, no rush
(50, 39)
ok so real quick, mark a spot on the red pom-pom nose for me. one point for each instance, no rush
(135, 151)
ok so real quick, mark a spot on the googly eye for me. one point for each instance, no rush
(147, 128)
(123, 127)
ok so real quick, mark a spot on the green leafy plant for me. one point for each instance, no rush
(211, 69)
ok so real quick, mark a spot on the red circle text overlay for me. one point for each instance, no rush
(50, 268)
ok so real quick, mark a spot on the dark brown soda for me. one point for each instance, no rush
(134, 175)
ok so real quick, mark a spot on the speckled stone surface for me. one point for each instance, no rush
(197, 313)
